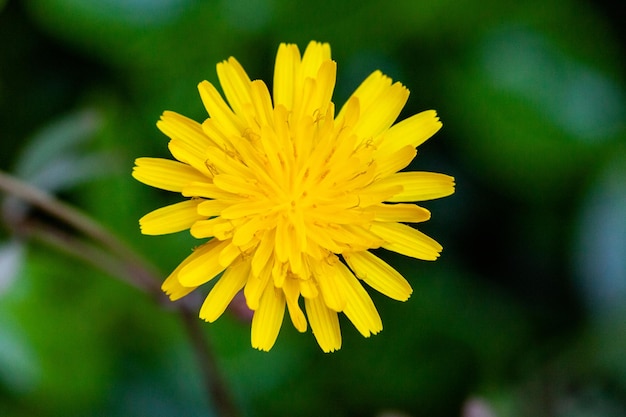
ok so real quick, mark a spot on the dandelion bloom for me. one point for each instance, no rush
(292, 196)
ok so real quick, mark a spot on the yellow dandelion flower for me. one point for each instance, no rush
(292, 196)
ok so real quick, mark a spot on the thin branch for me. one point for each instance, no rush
(71, 217)
(213, 380)
(91, 254)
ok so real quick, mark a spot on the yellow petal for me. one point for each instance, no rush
(331, 291)
(282, 242)
(262, 102)
(246, 209)
(235, 84)
(172, 286)
(237, 185)
(313, 143)
(315, 54)
(314, 251)
(412, 131)
(419, 186)
(359, 307)
(211, 208)
(388, 164)
(379, 275)
(349, 114)
(380, 104)
(287, 246)
(214, 132)
(206, 190)
(326, 77)
(296, 264)
(305, 84)
(247, 229)
(407, 241)
(255, 286)
(188, 142)
(165, 174)
(287, 62)
(184, 129)
(378, 192)
(370, 89)
(303, 102)
(171, 219)
(219, 111)
(268, 318)
(204, 266)
(272, 171)
(353, 237)
(224, 290)
(291, 288)
(382, 111)
(279, 273)
(184, 152)
(229, 160)
(324, 324)
(335, 215)
(217, 227)
(300, 233)
(403, 213)
(308, 288)
(320, 236)
(263, 252)
(229, 254)
(316, 92)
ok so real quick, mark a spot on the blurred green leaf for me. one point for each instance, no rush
(11, 263)
(600, 242)
(20, 371)
(539, 119)
(55, 158)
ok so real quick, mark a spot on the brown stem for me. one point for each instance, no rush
(73, 218)
(213, 380)
(91, 254)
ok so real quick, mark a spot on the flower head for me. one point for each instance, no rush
(292, 196)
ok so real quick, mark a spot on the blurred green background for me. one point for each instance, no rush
(523, 315)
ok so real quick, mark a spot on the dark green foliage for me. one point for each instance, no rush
(526, 308)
